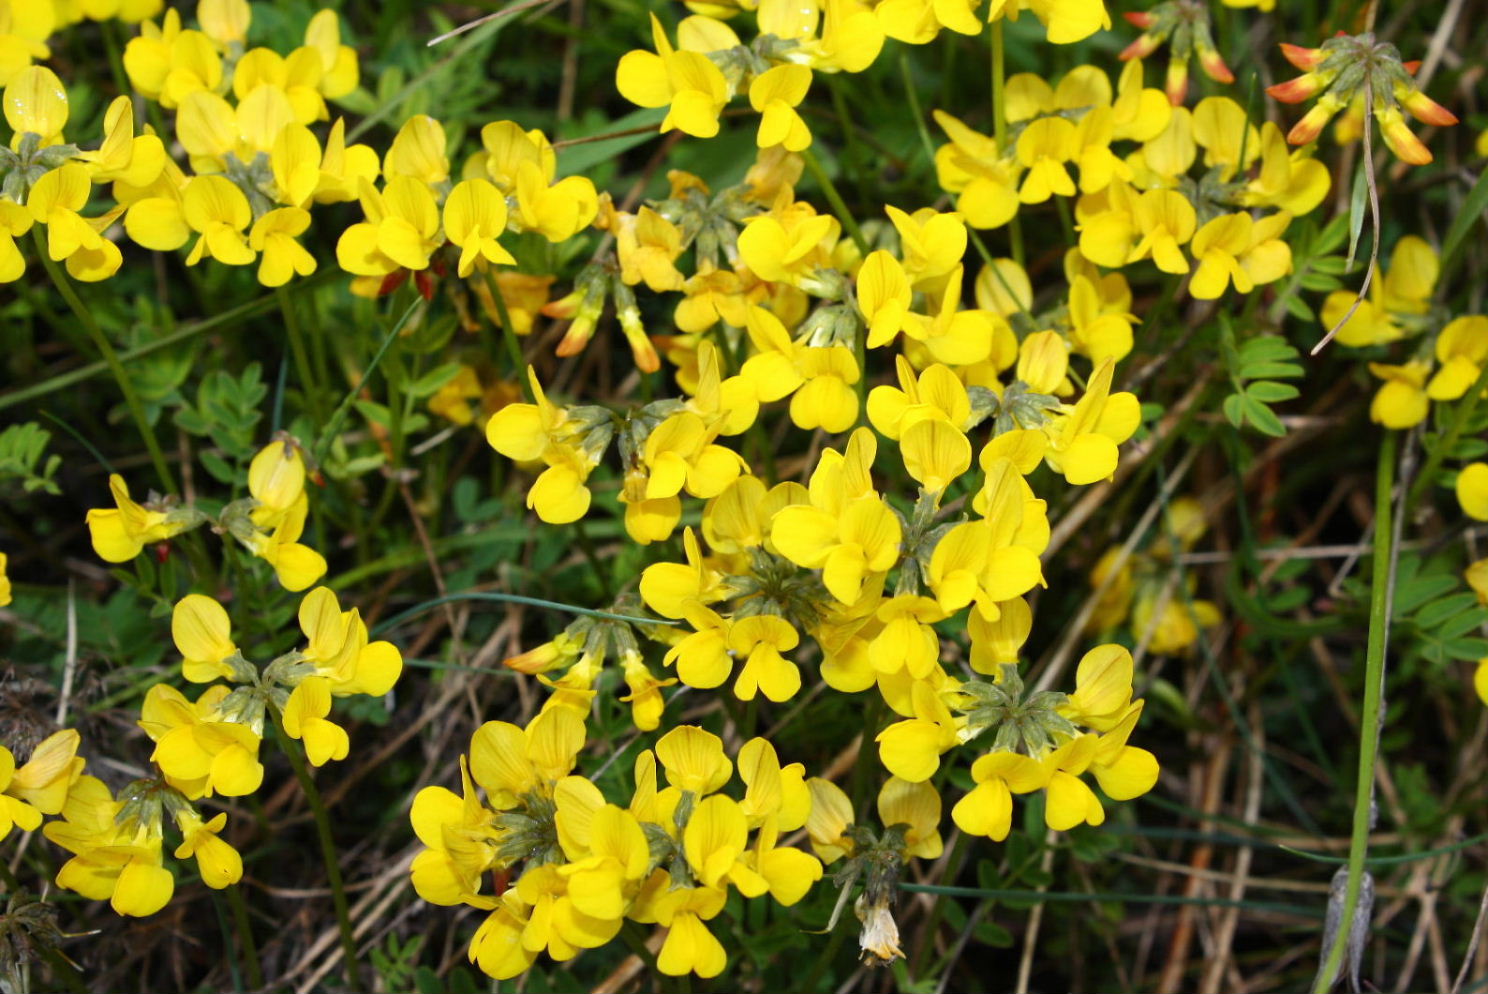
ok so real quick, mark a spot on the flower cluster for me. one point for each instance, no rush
(204, 748)
(571, 867)
(268, 523)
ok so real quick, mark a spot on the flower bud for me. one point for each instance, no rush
(1399, 137)
(1294, 91)
(1177, 82)
(1306, 59)
(1144, 46)
(1313, 122)
(1423, 108)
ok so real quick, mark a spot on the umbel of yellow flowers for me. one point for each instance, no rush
(204, 748)
(268, 523)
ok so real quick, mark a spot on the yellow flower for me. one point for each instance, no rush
(510, 762)
(935, 453)
(911, 749)
(135, 160)
(199, 753)
(55, 201)
(402, 222)
(1472, 491)
(15, 220)
(225, 21)
(219, 863)
(418, 152)
(917, 807)
(988, 809)
(973, 167)
(761, 639)
(24, 30)
(4, 580)
(113, 861)
(1401, 294)
(951, 335)
(339, 649)
(1043, 148)
(474, 217)
(648, 245)
(461, 835)
(1234, 248)
(35, 103)
(829, 821)
(305, 718)
(203, 636)
(1462, 350)
(1103, 688)
(848, 535)
(339, 70)
(1084, 442)
(218, 212)
(274, 235)
(774, 94)
(607, 852)
(41, 786)
(119, 534)
(1067, 21)
(645, 691)
(1401, 401)
(789, 246)
(694, 760)
(689, 85)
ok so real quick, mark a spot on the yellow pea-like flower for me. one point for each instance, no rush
(917, 806)
(774, 94)
(1401, 401)
(219, 863)
(273, 236)
(402, 222)
(693, 759)
(474, 217)
(305, 719)
(689, 85)
(35, 103)
(1472, 491)
(202, 633)
(218, 212)
(1462, 349)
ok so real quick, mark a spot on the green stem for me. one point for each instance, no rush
(1460, 420)
(329, 432)
(839, 206)
(1369, 714)
(914, 106)
(111, 358)
(509, 335)
(296, 753)
(244, 928)
(999, 85)
(1000, 124)
(308, 385)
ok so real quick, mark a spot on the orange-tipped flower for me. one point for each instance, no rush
(1177, 82)
(1424, 109)
(1144, 46)
(1140, 19)
(1313, 122)
(1213, 65)
(646, 359)
(1294, 91)
(1399, 137)
(1306, 59)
